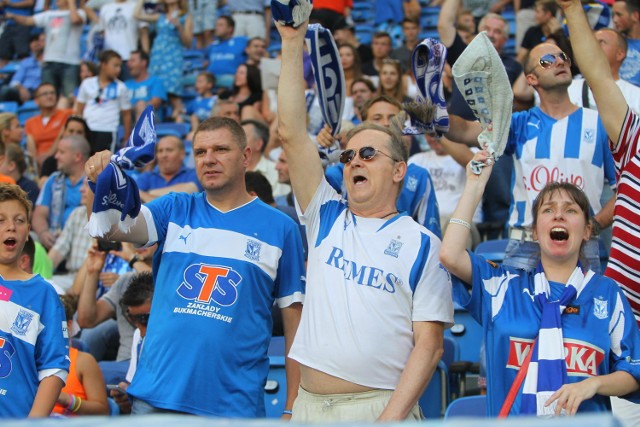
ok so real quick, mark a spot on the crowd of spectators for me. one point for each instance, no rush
(88, 70)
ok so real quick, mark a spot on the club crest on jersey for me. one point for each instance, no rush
(394, 248)
(589, 136)
(252, 251)
(22, 322)
(600, 308)
(412, 183)
(204, 283)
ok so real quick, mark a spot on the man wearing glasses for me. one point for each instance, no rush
(557, 141)
(136, 305)
(377, 301)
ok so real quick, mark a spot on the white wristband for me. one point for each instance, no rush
(461, 222)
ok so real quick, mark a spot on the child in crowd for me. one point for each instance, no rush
(84, 392)
(102, 100)
(34, 359)
(199, 108)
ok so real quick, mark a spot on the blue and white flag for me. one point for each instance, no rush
(291, 12)
(117, 198)
(328, 74)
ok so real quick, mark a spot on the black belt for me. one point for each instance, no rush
(248, 12)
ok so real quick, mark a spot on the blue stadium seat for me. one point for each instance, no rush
(468, 334)
(430, 34)
(27, 110)
(468, 406)
(363, 12)
(175, 129)
(275, 389)
(8, 107)
(364, 33)
(429, 18)
(435, 398)
(492, 250)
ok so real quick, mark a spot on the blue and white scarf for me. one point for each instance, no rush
(328, 74)
(291, 12)
(548, 370)
(117, 198)
(429, 113)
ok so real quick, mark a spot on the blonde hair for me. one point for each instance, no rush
(5, 122)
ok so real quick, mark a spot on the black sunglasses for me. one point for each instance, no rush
(548, 60)
(139, 319)
(97, 99)
(365, 153)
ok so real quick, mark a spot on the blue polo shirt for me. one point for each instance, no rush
(72, 196)
(28, 74)
(151, 87)
(153, 180)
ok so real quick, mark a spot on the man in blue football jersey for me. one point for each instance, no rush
(223, 258)
(371, 332)
(557, 141)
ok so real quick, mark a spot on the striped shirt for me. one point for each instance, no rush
(623, 265)
(572, 149)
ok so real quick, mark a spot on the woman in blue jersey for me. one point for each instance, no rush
(33, 355)
(559, 339)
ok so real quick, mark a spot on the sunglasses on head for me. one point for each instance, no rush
(549, 60)
(139, 319)
(365, 153)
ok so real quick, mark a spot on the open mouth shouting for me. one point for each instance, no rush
(359, 179)
(559, 234)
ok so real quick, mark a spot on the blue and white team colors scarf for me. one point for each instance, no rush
(548, 369)
(291, 12)
(117, 198)
(328, 74)
(429, 113)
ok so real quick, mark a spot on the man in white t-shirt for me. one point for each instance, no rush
(120, 31)
(257, 138)
(63, 28)
(371, 332)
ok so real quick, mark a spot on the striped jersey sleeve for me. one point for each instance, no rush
(623, 264)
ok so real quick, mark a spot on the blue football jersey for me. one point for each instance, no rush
(217, 275)
(574, 149)
(599, 331)
(33, 342)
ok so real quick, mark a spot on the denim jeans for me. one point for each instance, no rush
(526, 254)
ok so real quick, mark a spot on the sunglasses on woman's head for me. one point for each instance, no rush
(365, 153)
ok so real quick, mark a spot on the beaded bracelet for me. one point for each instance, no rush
(461, 222)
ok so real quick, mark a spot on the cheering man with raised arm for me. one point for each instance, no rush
(373, 273)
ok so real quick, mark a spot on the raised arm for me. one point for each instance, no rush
(447, 21)
(463, 131)
(305, 168)
(612, 105)
(453, 252)
(138, 232)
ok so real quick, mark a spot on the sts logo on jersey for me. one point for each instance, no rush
(207, 284)
(6, 351)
